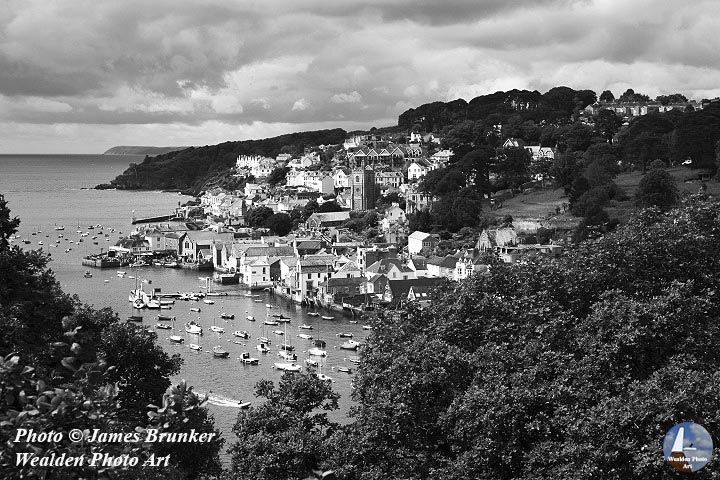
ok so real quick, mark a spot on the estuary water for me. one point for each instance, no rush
(49, 191)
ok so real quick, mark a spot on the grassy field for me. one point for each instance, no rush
(540, 206)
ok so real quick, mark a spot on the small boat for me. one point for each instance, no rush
(278, 332)
(344, 369)
(87, 274)
(268, 305)
(325, 317)
(61, 227)
(248, 294)
(313, 314)
(167, 302)
(209, 302)
(280, 316)
(305, 327)
(241, 334)
(311, 362)
(152, 303)
(166, 307)
(251, 318)
(354, 360)
(121, 272)
(227, 316)
(367, 327)
(350, 345)
(217, 329)
(305, 336)
(138, 303)
(163, 326)
(318, 352)
(285, 355)
(219, 352)
(246, 359)
(40, 243)
(257, 301)
(135, 318)
(121, 275)
(216, 294)
(165, 318)
(324, 377)
(262, 348)
(344, 335)
(354, 322)
(176, 339)
(288, 367)
(194, 346)
(264, 340)
(271, 322)
(287, 346)
(194, 328)
(194, 309)
(244, 405)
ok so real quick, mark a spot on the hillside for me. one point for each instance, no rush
(192, 169)
(140, 150)
(538, 207)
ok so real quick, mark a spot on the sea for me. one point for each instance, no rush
(51, 191)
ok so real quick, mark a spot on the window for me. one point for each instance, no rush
(309, 275)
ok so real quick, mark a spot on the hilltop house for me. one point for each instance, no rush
(417, 241)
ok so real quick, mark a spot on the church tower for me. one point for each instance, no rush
(362, 188)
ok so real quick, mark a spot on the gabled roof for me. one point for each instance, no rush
(346, 282)
(418, 235)
(383, 265)
(445, 262)
(350, 266)
(332, 216)
(400, 288)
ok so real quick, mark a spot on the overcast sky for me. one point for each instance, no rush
(79, 76)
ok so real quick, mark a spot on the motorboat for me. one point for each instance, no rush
(262, 348)
(318, 352)
(153, 304)
(241, 334)
(246, 359)
(208, 301)
(135, 318)
(344, 369)
(350, 345)
(311, 362)
(325, 317)
(194, 309)
(354, 360)
(305, 327)
(304, 336)
(244, 405)
(194, 328)
(87, 274)
(271, 322)
(194, 346)
(344, 335)
(288, 367)
(278, 332)
(367, 327)
(163, 326)
(313, 314)
(138, 303)
(227, 316)
(285, 355)
(268, 305)
(264, 340)
(323, 377)
(219, 352)
(165, 318)
(217, 329)
(251, 318)
(176, 339)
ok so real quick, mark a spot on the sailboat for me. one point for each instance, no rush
(317, 350)
(321, 375)
(217, 329)
(262, 347)
(175, 338)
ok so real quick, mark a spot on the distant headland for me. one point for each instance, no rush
(140, 150)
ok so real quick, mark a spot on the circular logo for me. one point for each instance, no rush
(687, 447)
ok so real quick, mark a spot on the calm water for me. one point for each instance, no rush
(52, 190)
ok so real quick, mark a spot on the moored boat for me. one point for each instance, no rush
(344, 335)
(163, 326)
(326, 317)
(318, 352)
(219, 352)
(251, 318)
(305, 336)
(194, 328)
(246, 359)
(135, 318)
(195, 347)
(288, 367)
(350, 345)
(241, 334)
(176, 339)
(305, 327)
(194, 309)
(227, 316)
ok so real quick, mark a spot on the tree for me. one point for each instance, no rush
(284, 436)
(258, 215)
(607, 124)
(278, 175)
(328, 207)
(657, 188)
(280, 223)
(607, 96)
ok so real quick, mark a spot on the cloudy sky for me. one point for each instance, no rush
(79, 76)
